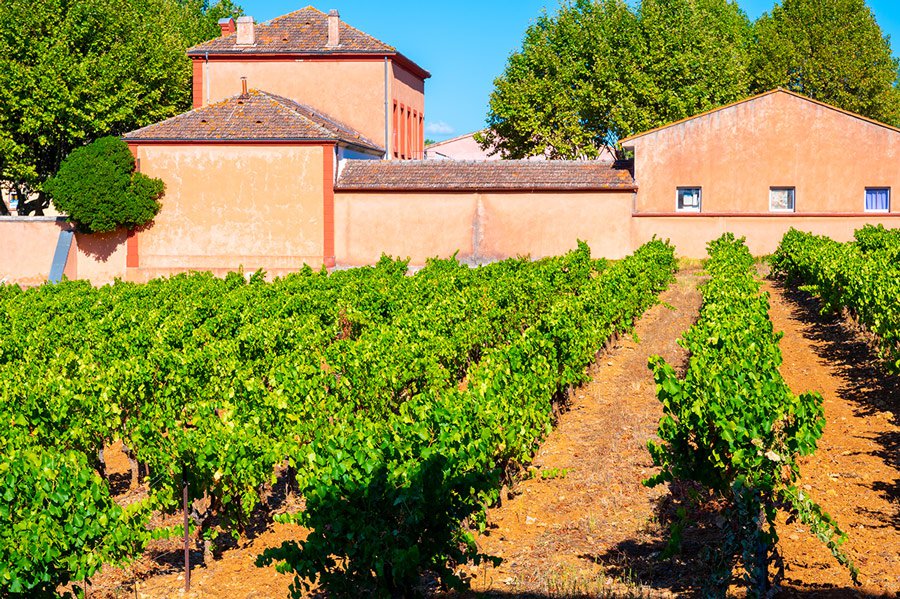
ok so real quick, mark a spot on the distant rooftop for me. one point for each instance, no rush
(499, 175)
(303, 31)
(258, 116)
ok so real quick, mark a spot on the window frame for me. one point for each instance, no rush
(790, 188)
(678, 198)
(868, 210)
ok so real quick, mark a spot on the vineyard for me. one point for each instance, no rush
(399, 407)
(395, 403)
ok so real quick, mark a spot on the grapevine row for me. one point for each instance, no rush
(732, 424)
(862, 277)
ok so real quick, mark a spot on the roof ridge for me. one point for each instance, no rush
(757, 97)
(276, 117)
(361, 32)
(339, 126)
(293, 12)
(286, 104)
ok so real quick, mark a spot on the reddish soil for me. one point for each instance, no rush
(594, 531)
(855, 473)
(584, 525)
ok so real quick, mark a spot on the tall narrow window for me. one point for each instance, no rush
(878, 199)
(395, 138)
(408, 133)
(688, 199)
(402, 131)
(781, 199)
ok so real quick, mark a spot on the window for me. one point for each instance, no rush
(688, 199)
(403, 124)
(781, 199)
(878, 199)
(396, 136)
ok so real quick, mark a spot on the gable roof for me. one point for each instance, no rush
(499, 175)
(303, 31)
(258, 116)
(777, 90)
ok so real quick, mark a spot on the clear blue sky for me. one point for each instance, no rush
(465, 44)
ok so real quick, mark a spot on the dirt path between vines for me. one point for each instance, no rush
(593, 530)
(855, 473)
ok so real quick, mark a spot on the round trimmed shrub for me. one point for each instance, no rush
(97, 188)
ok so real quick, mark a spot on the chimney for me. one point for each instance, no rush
(246, 34)
(244, 93)
(227, 26)
(334, 29)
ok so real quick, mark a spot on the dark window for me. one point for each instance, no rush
(688, 199)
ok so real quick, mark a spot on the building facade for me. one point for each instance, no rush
(304, 147)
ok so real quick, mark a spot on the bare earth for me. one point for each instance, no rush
(584, 525)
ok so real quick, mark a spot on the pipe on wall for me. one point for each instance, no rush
(206, 79)
(387, 113)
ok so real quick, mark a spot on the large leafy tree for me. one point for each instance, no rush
(567, 91)
(695, 57)
(830, 50)
(599, 70)
(72, 71)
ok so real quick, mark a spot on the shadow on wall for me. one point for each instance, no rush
(99, 246)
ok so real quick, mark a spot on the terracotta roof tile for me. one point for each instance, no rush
(304, 30)
(260, 116)
(451, 175)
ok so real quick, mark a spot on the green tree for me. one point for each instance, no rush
(830, 50)
(695, 57)
(72, 71)
(97, 187)
(599, 70)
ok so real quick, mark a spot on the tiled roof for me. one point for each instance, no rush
(451, 175)
(304, 30)
(260, 116)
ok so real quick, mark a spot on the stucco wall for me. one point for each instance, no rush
(691, 234)
(99, 258)
(232, 206)
(26, 249)
(735, 155)
(414, 225)
(351, 91)
(480, 226)
(27, 246)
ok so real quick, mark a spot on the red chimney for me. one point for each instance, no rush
(227, 26)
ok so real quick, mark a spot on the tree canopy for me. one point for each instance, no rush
(830, 50)
(97, 187)
(600, 70)
(72, 71)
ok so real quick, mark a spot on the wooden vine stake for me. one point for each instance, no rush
(187, 540)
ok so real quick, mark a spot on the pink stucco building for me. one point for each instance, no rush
(305, 146)
(321, 61)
